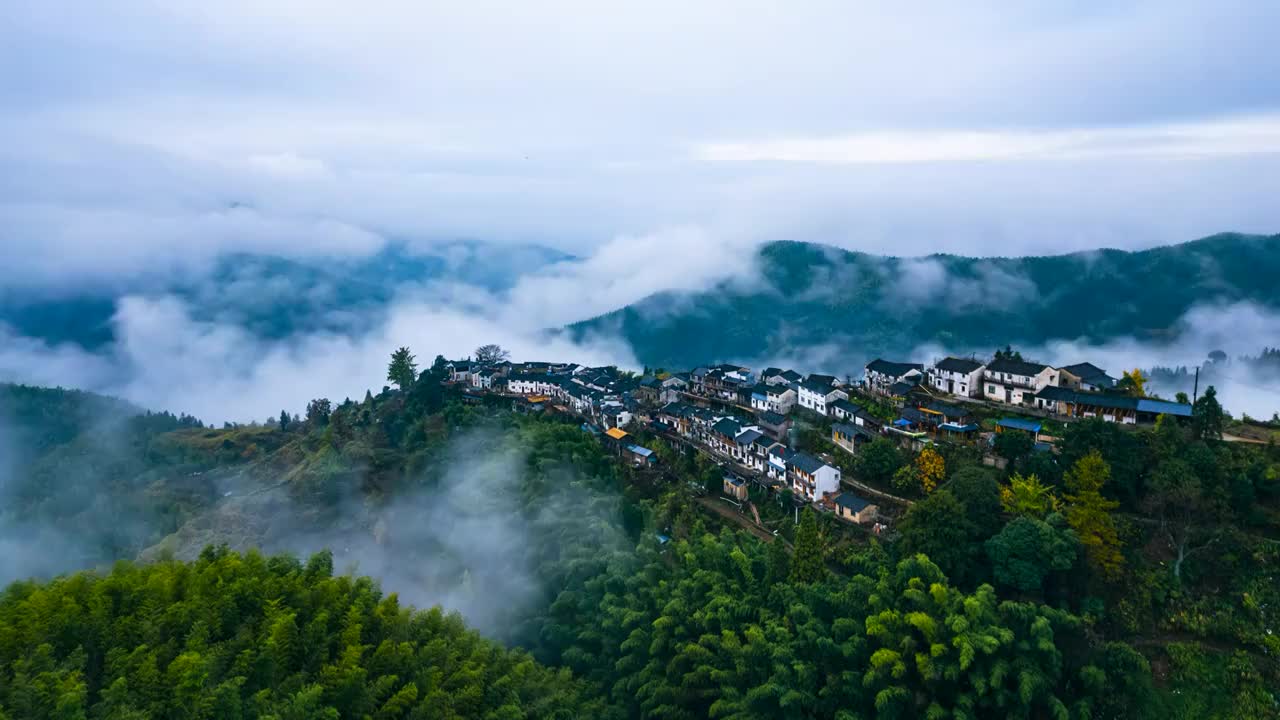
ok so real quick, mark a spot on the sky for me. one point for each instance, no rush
(150, 137)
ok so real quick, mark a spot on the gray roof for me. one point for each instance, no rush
(746, 437)
(727, 426)
(892, 369)
(851, 430)
(852, 502)
(958, 365)
(1016, 367)
(770, 417)
(817, 386)
(1056, 394)
(805, 463)
(845, 406)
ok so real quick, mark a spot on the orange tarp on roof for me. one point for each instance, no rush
(615, 433)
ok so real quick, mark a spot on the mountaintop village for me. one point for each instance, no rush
(748, 420)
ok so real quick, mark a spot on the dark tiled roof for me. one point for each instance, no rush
(958, 365)
(845, 406)
(746, 437)
(824, 379)
(1016, 367)
(817, 386)
(892, 369)
(770, 417)
(852, 502)
(1053, 393)
(851, 430)
(791, 376)
(805, 463)
(948, 410)
(727, 426)
(902, 387)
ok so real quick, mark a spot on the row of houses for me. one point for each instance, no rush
(1082, 390)
(752, 445)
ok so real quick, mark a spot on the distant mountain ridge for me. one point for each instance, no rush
(856, 306)
(274, 297)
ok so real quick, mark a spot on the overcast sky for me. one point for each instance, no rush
(150, 136)
(132, 127)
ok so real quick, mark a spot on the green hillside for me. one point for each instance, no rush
(1131, 577)
(859, 306)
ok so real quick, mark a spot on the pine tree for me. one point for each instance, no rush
(1207, 418)
(807, 560)
(402, 370)
(1089, 514)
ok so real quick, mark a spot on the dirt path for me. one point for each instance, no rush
(1236, 438)
(720, 508)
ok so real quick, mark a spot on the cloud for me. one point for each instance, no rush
(1220, 136)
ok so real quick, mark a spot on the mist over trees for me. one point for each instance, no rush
(1127, 575)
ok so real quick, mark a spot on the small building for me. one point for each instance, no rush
(850, 437)
(936, 414)
(1015, 382)
(780, 398)
(735, 487)
(775, 376)
(1030, 427)
(855, 509)
(957, 376)
(1085, 376)
(880, 375)
(811, 478)
(815, 395)
(639, 455)
(774, 424)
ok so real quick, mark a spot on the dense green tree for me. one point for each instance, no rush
(1028, 549)
(808, 560)
(1122, 450)
(1208, 420)
(1013, 445)
(402, 370)
(222, 637)
(939, 528)
(979, 494)
(878, 460)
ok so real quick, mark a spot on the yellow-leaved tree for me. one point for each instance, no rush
(1028, 496)
(931, 469)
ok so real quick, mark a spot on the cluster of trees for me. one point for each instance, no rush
(243, 636)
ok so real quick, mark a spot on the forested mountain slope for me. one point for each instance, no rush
(856, 306)
(269, 296)
(1132, 575)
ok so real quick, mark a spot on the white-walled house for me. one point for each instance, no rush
(459, 370)
(880, 375)
(957, 376)
(812, 478)
(533, 385)
(775, 376)
(780, 398)
(816, 395)
(1016, 381)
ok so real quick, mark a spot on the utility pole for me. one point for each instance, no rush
(1195, 389)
